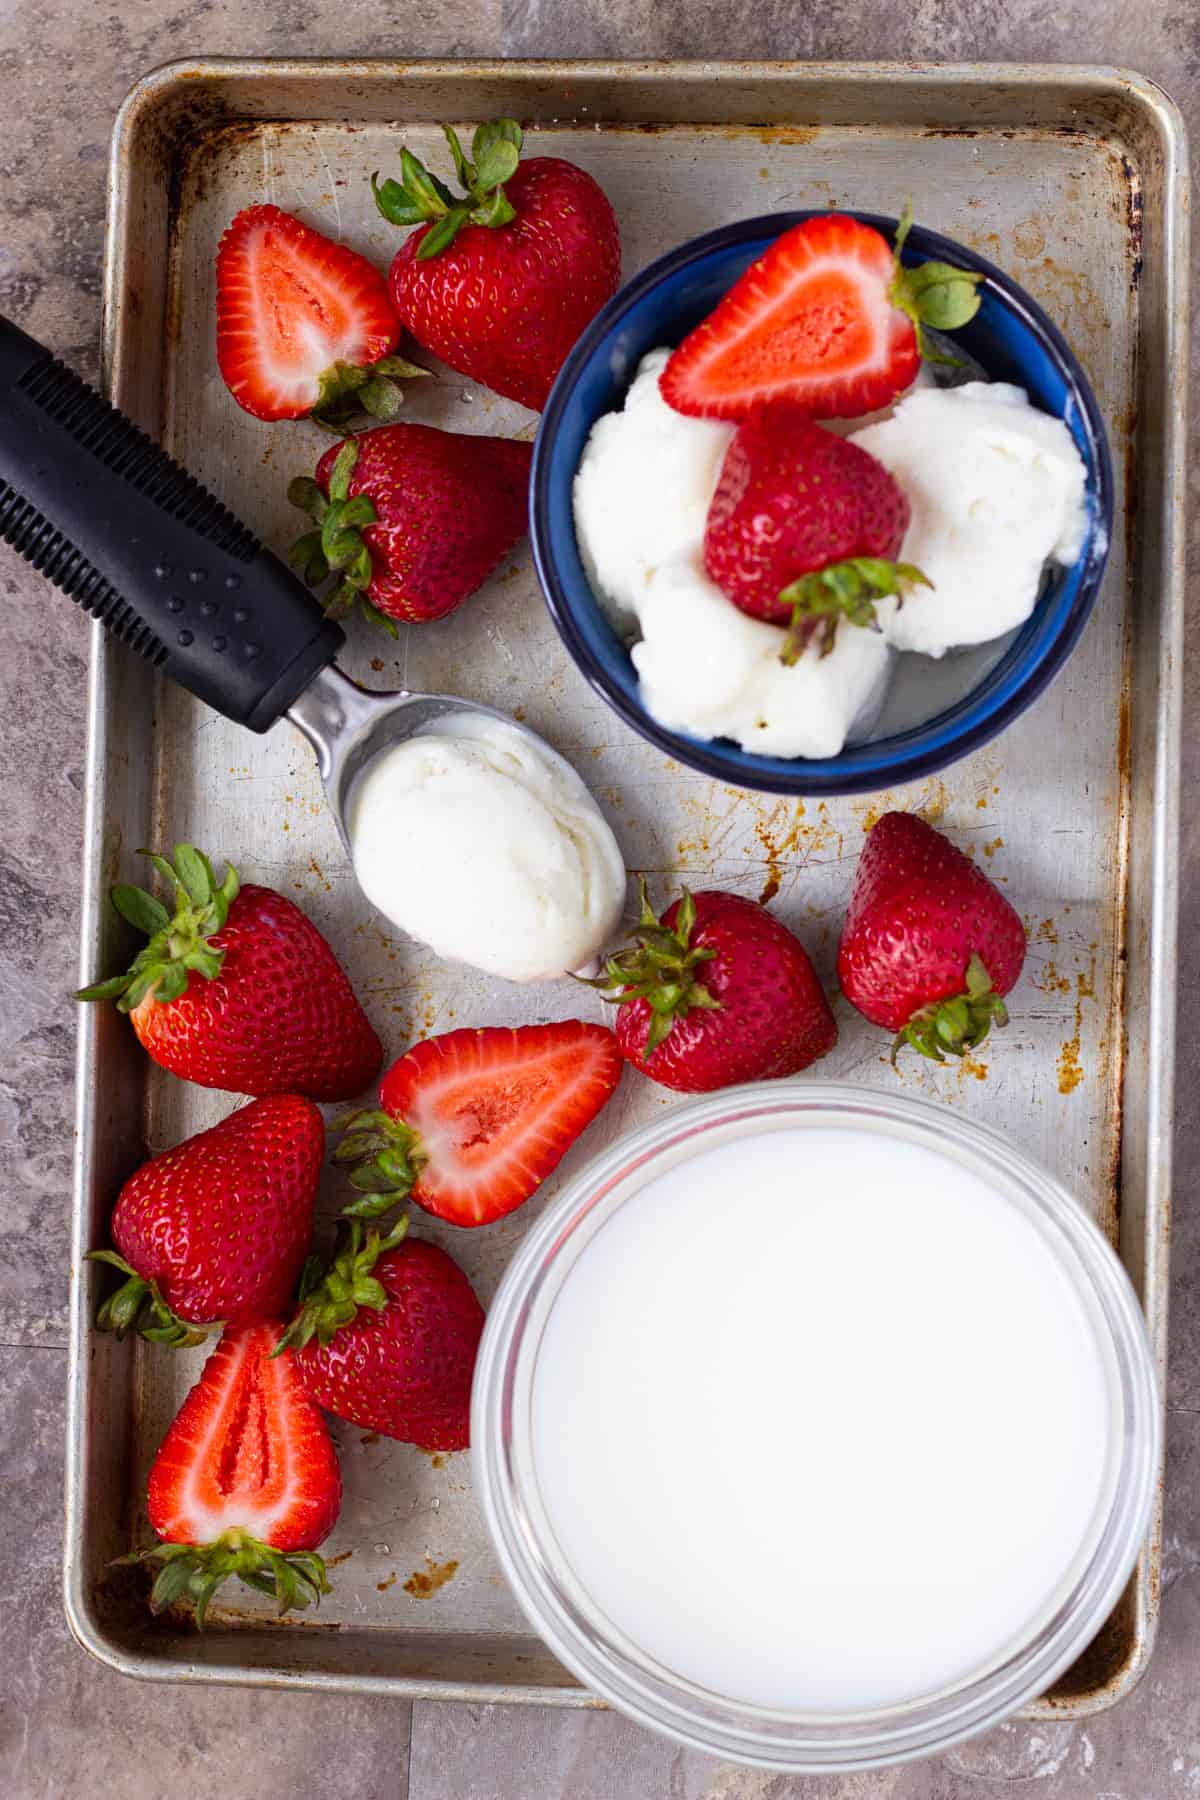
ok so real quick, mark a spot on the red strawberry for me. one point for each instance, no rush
(413, 518)
(501, 282)
(304, 325)
(389, 1340)
(804, 528)
(718, 992)
(246, 1482)
(474, 1121)
(218, 1227)
(929, 945)
(827, 317)
(239, 990)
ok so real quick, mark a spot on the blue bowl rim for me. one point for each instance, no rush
(705, 755)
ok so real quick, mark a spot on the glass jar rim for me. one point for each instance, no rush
(632, 1681)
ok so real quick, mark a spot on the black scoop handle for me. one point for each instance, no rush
(99, 509)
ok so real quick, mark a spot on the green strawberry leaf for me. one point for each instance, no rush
(495, 210)
(395, 204)
(933, 294)
(497, 163)
(462, 168)
(422, 187)
(496, 131)
(442, 234)
(195, 874)
(140, 909)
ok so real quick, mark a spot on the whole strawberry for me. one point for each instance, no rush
(716, 993)
(929, 946)
(411, 518)
(804, 528)
(501, 281)
(388, 1340)
(219, 1226)
(237, 989)
(246, 1482)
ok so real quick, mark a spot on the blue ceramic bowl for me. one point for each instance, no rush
(1010, 339)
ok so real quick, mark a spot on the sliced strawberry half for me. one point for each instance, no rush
(827, 318)
(246, 1482)
(304, 325)
(471, 1123)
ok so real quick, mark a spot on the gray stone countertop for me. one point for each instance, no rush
(68, 1725)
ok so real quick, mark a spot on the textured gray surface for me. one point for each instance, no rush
(66, 1725)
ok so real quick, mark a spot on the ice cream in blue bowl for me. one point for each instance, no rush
(1003, 464)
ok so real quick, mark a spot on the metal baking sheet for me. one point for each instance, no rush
(1074, 180)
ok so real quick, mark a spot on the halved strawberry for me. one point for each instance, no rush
(246, 1482)
(304, 325)
(473, 1122)
(828, 317)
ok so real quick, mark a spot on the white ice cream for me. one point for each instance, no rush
(643, 488)
(488, 848)
(709, 669)
(641, 501)
(996, 489)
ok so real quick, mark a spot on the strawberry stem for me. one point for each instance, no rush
(421, 198)
(956, 1024)
(842, 590)
(337, 545)
(138, 1305)
(385, 1158)
(347, 1284)
(933, 294)
(180, 943)
(293, 1578)
(347, 390)
(659, 967)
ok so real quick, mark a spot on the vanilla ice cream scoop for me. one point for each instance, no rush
(708, 669)
(481, 841)
(996, 489)
(643, 488)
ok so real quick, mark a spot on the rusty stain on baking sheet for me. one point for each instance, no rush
(1070, 1069)
(422, 1583)
(1049, 981)
(931, 803)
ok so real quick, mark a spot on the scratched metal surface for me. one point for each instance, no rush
(1046, 810)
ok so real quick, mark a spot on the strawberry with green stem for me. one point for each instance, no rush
(930, 946)
(387, 1337)
(829, 318)
(305, 327)
(804, 529)
(237, 989)
(246, 1482)
(500, 281)
(411, 519)
(217, 1228)
(470, 1123)
(716, 992)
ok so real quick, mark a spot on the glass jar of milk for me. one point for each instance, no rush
(815, 1427)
